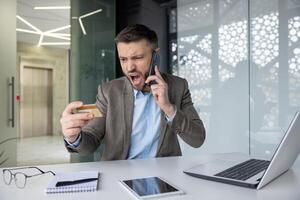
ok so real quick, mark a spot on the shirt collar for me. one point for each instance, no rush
(136, 93)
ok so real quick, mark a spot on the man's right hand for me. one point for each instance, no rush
(72, 123)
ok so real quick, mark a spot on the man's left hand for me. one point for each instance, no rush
(160, 93)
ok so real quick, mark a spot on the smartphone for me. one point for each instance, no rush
(154, 62)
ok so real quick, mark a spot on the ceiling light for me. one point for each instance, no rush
(52, 7)
(49, 33)
(27, 31)
(29, 24)
(55, 43)
(58, 29)
(86, 15)
(63, 34)
(81, 26)
(41, 39)
(53, 35)
(90, 13)
(56, 36)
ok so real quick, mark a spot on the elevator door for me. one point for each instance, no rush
(36, 102)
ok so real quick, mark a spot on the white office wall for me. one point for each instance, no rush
(242, 61)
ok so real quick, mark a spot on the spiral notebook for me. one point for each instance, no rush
(82, 181)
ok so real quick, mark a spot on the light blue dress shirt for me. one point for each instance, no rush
(145, 127)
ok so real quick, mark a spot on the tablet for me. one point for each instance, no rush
(150, 187)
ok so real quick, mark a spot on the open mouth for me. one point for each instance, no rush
(136, 79)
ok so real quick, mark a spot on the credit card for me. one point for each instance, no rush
(89, 108)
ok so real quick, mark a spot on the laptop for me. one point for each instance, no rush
(253, 173)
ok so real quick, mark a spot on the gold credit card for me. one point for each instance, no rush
(89, 108)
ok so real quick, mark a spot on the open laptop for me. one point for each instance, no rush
(253, 173)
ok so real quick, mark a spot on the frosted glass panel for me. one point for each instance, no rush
(275, 71)
(92, 53)
(242, 61)
(92, 49)
(212, 55)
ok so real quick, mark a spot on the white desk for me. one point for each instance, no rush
(285, 187)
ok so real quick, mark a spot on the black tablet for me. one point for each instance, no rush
(150, 187)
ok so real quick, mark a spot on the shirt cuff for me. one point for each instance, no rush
(170, 119)
(74, 144)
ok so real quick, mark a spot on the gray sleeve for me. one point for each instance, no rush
(187, 123)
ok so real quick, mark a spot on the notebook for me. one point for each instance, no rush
(261, 172)
(82, 181)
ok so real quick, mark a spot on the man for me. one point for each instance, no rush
(139, 121)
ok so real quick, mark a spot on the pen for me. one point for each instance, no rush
(66, 183)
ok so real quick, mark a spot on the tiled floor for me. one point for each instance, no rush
(42, 150)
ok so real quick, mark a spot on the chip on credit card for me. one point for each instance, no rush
(89, 108)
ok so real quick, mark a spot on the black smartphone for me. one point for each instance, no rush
(154, 62)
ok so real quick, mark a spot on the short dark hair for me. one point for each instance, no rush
(137, 32)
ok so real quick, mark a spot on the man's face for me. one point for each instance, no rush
(135, 59)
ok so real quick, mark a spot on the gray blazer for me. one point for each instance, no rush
(115, 100)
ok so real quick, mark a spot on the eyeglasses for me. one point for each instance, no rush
(20, 178)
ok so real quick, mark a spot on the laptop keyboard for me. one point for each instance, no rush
(245, 170)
